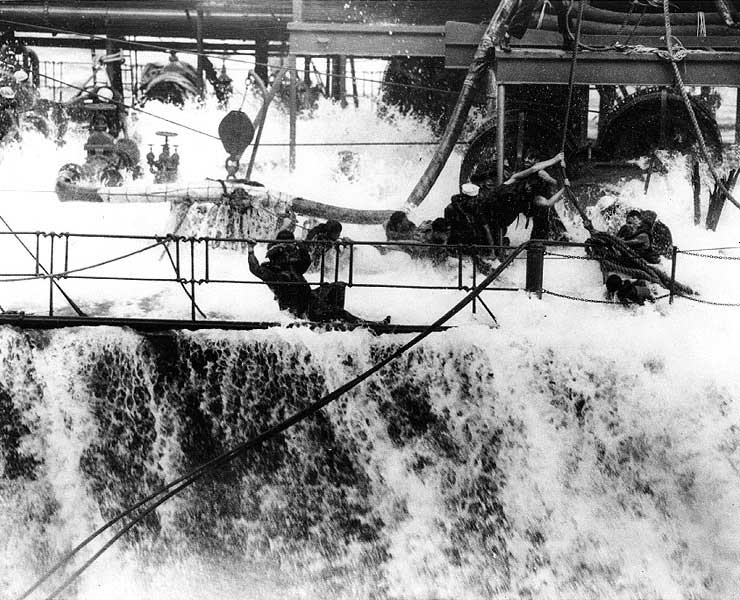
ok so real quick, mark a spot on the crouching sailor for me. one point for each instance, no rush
(294, 294)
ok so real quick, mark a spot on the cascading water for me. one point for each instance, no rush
(553, 457)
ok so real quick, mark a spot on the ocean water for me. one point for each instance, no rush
(579, 450)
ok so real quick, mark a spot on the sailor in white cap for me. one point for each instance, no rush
(469, 189)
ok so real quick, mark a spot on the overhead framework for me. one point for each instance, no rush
(340, 29)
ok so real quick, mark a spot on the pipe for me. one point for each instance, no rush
(477, 69)
(132, 19)
(549, 23)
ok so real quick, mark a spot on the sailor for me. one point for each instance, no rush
(462, 217)
(298, 255)
(635, 234)
(291, 289)
(323, 236)
(529, 192)
(660, 235)
(294, 294)
(627, 291)
(435, 232)
(398, 228)
(518, 22)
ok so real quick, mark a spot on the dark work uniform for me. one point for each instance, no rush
(291, 289)
(462, 214)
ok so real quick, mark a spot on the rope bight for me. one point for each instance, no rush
(150, 503)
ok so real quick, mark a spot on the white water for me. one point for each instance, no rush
(636, 498)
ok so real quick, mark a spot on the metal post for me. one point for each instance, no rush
(350, 276)
(199, 42)
(66, 252)
(737, 116)
(355, 95)
(192, 279)
(51, 276)
(535, 268)
(177, 257)
(342, 75)
(207, 260)
(475, 273)
(500, 125)
(336, 262)
(663, 117)
(696, 184)
(38, 248)
(674, 254)
(491, 93)
(520, 140)
(293, 117)
(260, 58)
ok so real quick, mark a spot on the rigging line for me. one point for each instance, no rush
(571, 77)
(690, 109)
(80, 269)
(182, 285)
(222, 57)
(189, 478)
(69, 300)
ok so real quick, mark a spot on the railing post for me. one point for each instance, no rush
(207, 261)
(674, 254)
(192, 279)
(336, 262)
(350, 275)
(66, 252)
(535, 268)
(475, 273)
(51, 275)
(38, 249)
(177, 257)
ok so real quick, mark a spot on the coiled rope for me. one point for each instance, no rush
(169, 490)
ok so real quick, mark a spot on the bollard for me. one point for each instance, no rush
(535, 268)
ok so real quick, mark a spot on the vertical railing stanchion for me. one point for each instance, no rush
(38, 249)
(177, 257)
(323, 264)
(336, 262)
(66, 252)
(192, 279)
(207, 260)
(535, 268)
(51, 275)
(674, 254)
(475, 273)
(350, 275)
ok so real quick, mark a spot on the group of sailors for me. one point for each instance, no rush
(478, 217)
(475, 223)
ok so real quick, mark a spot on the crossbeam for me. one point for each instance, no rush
(367, 41)
(720, 69)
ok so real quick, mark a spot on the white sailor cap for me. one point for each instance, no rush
(7, 92)
(20, 76)
(470, 189)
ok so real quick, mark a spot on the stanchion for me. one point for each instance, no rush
(535, 268)
(674, 254)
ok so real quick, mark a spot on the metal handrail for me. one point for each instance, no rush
(198, 249)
